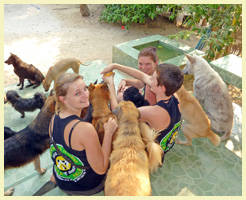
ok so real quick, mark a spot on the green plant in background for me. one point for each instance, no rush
(224, 21)
(126, 14)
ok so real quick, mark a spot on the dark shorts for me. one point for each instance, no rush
(95, 190)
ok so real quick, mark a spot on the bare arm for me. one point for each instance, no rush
(112, 94)
(156, 117)
(134, 82)
(97, 155)
(130, 71)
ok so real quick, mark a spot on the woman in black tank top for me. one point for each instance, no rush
(79, 161)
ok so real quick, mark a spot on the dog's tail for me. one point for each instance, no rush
(214, 138)
(154, 150)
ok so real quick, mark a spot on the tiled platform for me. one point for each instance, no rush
(199, 170)
(229, 68)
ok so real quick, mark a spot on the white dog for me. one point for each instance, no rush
(212, 93)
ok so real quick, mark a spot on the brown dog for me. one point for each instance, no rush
(196, 123)
(25, 71)
(60, 67)
(128, 174)
(99, 98)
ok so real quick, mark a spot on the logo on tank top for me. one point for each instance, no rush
(64, 170)
(168, 141)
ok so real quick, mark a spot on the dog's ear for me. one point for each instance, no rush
(190, 58)
(11, 54)
(52, 104)
(91, 87)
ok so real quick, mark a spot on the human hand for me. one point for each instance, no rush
(107, 69)
(110, 126)
(121, 86)
(109, 79)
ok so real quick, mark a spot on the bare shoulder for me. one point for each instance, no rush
(86, 128)
(149, 113)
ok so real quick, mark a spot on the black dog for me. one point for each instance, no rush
(8, 132)
(27, 144)
(132, 94)
(23, 105)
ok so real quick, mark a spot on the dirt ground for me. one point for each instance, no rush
(43, 34)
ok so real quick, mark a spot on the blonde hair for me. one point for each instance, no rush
(61, 87)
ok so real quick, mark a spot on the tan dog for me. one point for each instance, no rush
(60, 67)
(154, 149)
(99, 98)
(196, 123)
(128, 174)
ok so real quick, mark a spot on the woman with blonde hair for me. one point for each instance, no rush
(79, 160)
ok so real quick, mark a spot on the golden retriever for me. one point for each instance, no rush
(196, 123)
(154, 149)
(128, 174)
(60, 67)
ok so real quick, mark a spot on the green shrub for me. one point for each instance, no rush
(126, 14)
(224, 20)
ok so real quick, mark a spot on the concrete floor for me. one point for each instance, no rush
(197, 170)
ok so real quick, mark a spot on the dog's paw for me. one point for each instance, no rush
(9, 192)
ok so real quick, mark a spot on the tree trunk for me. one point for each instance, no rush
(84, 10)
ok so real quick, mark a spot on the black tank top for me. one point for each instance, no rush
(167, 136)
(69, 177)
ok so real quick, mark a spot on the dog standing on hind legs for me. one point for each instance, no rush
(99, 98)
(196, 122)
